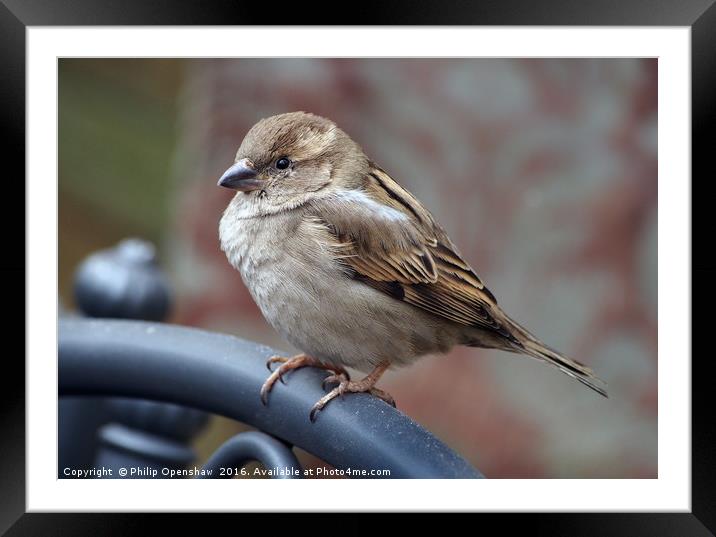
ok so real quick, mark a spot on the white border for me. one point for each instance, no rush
(671, 491)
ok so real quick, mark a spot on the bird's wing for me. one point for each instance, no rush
(388, 240)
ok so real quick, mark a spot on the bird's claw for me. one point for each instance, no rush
(345, 385)
(277, 359)
(383, 395)
(335, 378)
(295, 362)
(338, 375)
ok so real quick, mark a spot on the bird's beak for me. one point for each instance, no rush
(241, 176)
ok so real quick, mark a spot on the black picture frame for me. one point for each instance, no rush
(700, 15)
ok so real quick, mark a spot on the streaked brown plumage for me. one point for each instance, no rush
(349, 266)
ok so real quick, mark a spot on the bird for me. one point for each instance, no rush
(350, 267)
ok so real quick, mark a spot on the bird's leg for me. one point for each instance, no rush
(290, 363)
(345, 385)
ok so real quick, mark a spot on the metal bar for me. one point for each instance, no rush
(223, 375)
(273, 454)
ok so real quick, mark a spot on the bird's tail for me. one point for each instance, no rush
(528, 344)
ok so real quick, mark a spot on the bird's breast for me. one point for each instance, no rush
(303, 291)
(273, 257)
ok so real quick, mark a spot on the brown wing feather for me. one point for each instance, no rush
(416, 262)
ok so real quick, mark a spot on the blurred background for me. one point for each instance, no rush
(543, 172)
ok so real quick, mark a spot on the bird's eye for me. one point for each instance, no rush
(283, 163)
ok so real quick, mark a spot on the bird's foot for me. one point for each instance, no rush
(290, 363)
(345, 385)
(335, 378)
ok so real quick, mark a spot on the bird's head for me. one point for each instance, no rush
(287, 159)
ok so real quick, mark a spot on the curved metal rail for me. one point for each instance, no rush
(223, 375)
(242, 448)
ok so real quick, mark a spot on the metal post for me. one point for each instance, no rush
(125, 283)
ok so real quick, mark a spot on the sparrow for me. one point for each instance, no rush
(349, 267)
